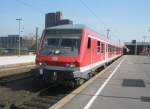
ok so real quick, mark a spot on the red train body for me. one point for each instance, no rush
(73, 52)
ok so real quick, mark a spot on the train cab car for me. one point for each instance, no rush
(72, 52)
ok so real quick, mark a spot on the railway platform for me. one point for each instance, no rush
(10, 65)
(11, 60)
(125, 84)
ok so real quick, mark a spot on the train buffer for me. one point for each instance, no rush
(125, 84)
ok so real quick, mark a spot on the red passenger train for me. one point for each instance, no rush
(70, 53)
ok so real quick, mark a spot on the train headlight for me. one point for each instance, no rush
(40, 63)
(43, 63)
(70, 65)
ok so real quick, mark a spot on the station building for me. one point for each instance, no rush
(10, 41)
(137, 48)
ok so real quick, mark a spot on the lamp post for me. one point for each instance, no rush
(19, 21)
(108, 30)
(36, 39)
(135, 48)
(144, 46)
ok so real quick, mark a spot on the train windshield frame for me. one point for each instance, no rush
(61, 42)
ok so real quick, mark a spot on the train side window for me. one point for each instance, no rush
(98, 46)
(112, 48)
(98, 43)
(108, 48)
(89, 43)
(102, 47)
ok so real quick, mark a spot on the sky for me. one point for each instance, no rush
(127, 19)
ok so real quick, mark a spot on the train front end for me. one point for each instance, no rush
(58, 57)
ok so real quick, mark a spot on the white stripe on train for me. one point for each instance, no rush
(81, 69)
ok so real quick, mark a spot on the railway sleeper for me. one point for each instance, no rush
(42, 100)
(38, 105)
(2, 106)
(52, 97)
(27, 107)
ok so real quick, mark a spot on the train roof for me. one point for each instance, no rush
(73, 26)
(80, 26)
(69, 26)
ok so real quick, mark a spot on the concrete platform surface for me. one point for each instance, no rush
(9, 60)
(125, 85)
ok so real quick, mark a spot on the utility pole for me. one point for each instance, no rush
(148, 49)
(145, 46)
(108, 30)
(19, 21)
(144, 37)
(119, 41)
(135, 48)
(36, 38)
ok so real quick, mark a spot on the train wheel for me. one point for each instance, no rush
(72, 84)
(105, 65)
(75, 83)
(90, 75)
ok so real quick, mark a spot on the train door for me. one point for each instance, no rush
(91, 55)
(90, 49)
(106, 52)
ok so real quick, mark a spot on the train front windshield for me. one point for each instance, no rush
(61, 42)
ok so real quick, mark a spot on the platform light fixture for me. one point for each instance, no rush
(19, 22)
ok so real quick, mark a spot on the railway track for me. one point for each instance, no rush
(24, 92)
(12, 78)
(45, 98)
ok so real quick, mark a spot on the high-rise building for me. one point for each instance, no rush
(59, 16)
(55, 19)
(50, 20)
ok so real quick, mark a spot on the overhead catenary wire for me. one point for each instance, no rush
(81, 1)
(92, 12)
(99, 20)
(29, 5)
(95, 15)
